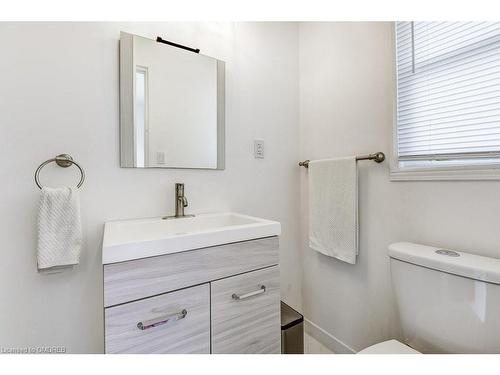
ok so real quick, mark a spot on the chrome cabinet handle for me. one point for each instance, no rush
(161, 320)
(239, 297)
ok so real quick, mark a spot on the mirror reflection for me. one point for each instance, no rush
(172, 104)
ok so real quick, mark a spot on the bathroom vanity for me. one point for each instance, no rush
(203, 284)
(206, 284)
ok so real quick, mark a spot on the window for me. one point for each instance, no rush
(448, 95)
(141, 135)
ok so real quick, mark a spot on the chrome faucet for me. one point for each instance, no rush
(180, 202)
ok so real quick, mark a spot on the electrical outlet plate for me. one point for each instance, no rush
(160, 157)
(258, 149)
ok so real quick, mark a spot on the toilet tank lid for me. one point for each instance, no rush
(467, 265)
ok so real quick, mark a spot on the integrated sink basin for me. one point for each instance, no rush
(133, 239)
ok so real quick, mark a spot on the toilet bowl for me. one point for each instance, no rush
(389, 347)
(448, 301)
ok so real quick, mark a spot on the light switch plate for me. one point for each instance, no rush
(258, 149)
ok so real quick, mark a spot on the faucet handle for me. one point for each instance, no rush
(184, 201)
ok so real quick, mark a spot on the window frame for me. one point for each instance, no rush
(489, 171)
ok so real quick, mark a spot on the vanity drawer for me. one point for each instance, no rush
(140, 278)
(246, 313)
(177, 322)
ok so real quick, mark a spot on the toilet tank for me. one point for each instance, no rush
(448, 301)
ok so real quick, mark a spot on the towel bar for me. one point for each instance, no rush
(62, 160)
(377, 157)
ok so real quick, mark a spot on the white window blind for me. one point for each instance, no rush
(448, 91)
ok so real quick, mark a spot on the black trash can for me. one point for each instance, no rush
(292, 330)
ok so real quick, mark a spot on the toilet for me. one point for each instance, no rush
(448, 301)
(389, 347)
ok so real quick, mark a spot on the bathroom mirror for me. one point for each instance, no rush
(171, 106)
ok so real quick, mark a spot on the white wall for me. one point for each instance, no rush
(346, 107)
(59, 93)
(345, 87)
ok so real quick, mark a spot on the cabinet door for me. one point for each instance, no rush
(176, 322)
(246, 313)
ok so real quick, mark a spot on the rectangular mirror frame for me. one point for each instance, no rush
(127, 105)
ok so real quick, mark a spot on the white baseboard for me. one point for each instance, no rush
(327, 339)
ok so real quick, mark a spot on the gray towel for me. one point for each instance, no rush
(59, 228)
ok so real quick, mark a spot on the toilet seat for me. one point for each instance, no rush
(389, 347)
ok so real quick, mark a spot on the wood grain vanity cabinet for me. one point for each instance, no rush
(245, 313)
(176, 322)
(222, 299)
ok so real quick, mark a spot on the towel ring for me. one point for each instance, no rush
(62, 160)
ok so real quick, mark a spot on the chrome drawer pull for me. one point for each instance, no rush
(161, 320)
(239, 297)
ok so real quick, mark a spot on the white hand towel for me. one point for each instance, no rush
(333, 208)
(59, 228)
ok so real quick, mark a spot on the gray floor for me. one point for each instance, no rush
(313, 346)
